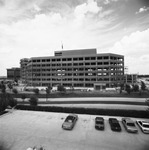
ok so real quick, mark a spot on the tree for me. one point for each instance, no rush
(7, 100)
(135, 88)
(23, 97)
(48, 90)
(36, 91)
(33, 100)
(3, 102)
(143, 86)
(128, 88)
(10, 86)
(15, 91)
(3, 87)
(12, 102)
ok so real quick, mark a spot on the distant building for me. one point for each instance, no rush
(13, 73)
(74, 68)
(130, 78)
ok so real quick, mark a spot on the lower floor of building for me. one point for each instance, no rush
(95, 85)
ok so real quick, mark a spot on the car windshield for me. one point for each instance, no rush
(99, 122)
(131, 124)
(146, 125)
(69, 119)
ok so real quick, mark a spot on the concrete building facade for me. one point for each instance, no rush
(74, 68)
(130, 78)
(23, 72)
(13, 73)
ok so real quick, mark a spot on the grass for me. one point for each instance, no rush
(42, 94)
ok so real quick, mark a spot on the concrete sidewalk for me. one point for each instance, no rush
(89, 99)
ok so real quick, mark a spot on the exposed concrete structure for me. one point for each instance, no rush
(23, 72)
(130, 78)
(77, 68)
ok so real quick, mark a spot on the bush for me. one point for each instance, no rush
(15, 91)
(61, 88)
(3, 102)
(128, 88)
(143, 86)
(23, 96)
(12, 102)
(135, 88)
(33, 101)
(36, 91)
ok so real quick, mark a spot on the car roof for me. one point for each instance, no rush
(112, 119)
(72, 115)
(129, 120)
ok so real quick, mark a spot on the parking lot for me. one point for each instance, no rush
(22, 129)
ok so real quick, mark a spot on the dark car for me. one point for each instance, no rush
(114, 123)
(70, 122)
(99, 123)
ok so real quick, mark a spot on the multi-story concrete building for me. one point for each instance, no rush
(130, 78)
(77, 68)
(23, 72)
(13, 73)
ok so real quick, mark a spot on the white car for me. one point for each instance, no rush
(144, 126)
(129, 125)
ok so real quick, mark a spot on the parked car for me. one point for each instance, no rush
(99, 123)
(129, 125)
(114, 123)
(144, 126)
(70, 121)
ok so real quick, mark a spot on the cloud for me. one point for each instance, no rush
(135, 48)
(109, 1)
(83, 9)
(143, 9)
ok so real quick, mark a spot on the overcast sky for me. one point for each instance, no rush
(31, 28)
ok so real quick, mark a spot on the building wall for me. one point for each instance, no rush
(13, 73)
(78, 70)
(23, 72)
(130, 78)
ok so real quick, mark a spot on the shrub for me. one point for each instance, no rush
(143, 86)
(61, 88)
(3, 102)
(135, 88)
(33, 101)
(128, 88)
(3, 87)
(36, 91)
(12, 102)
(15, 91)
(23, 96)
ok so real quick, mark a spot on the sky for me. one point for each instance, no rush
(39, 27)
